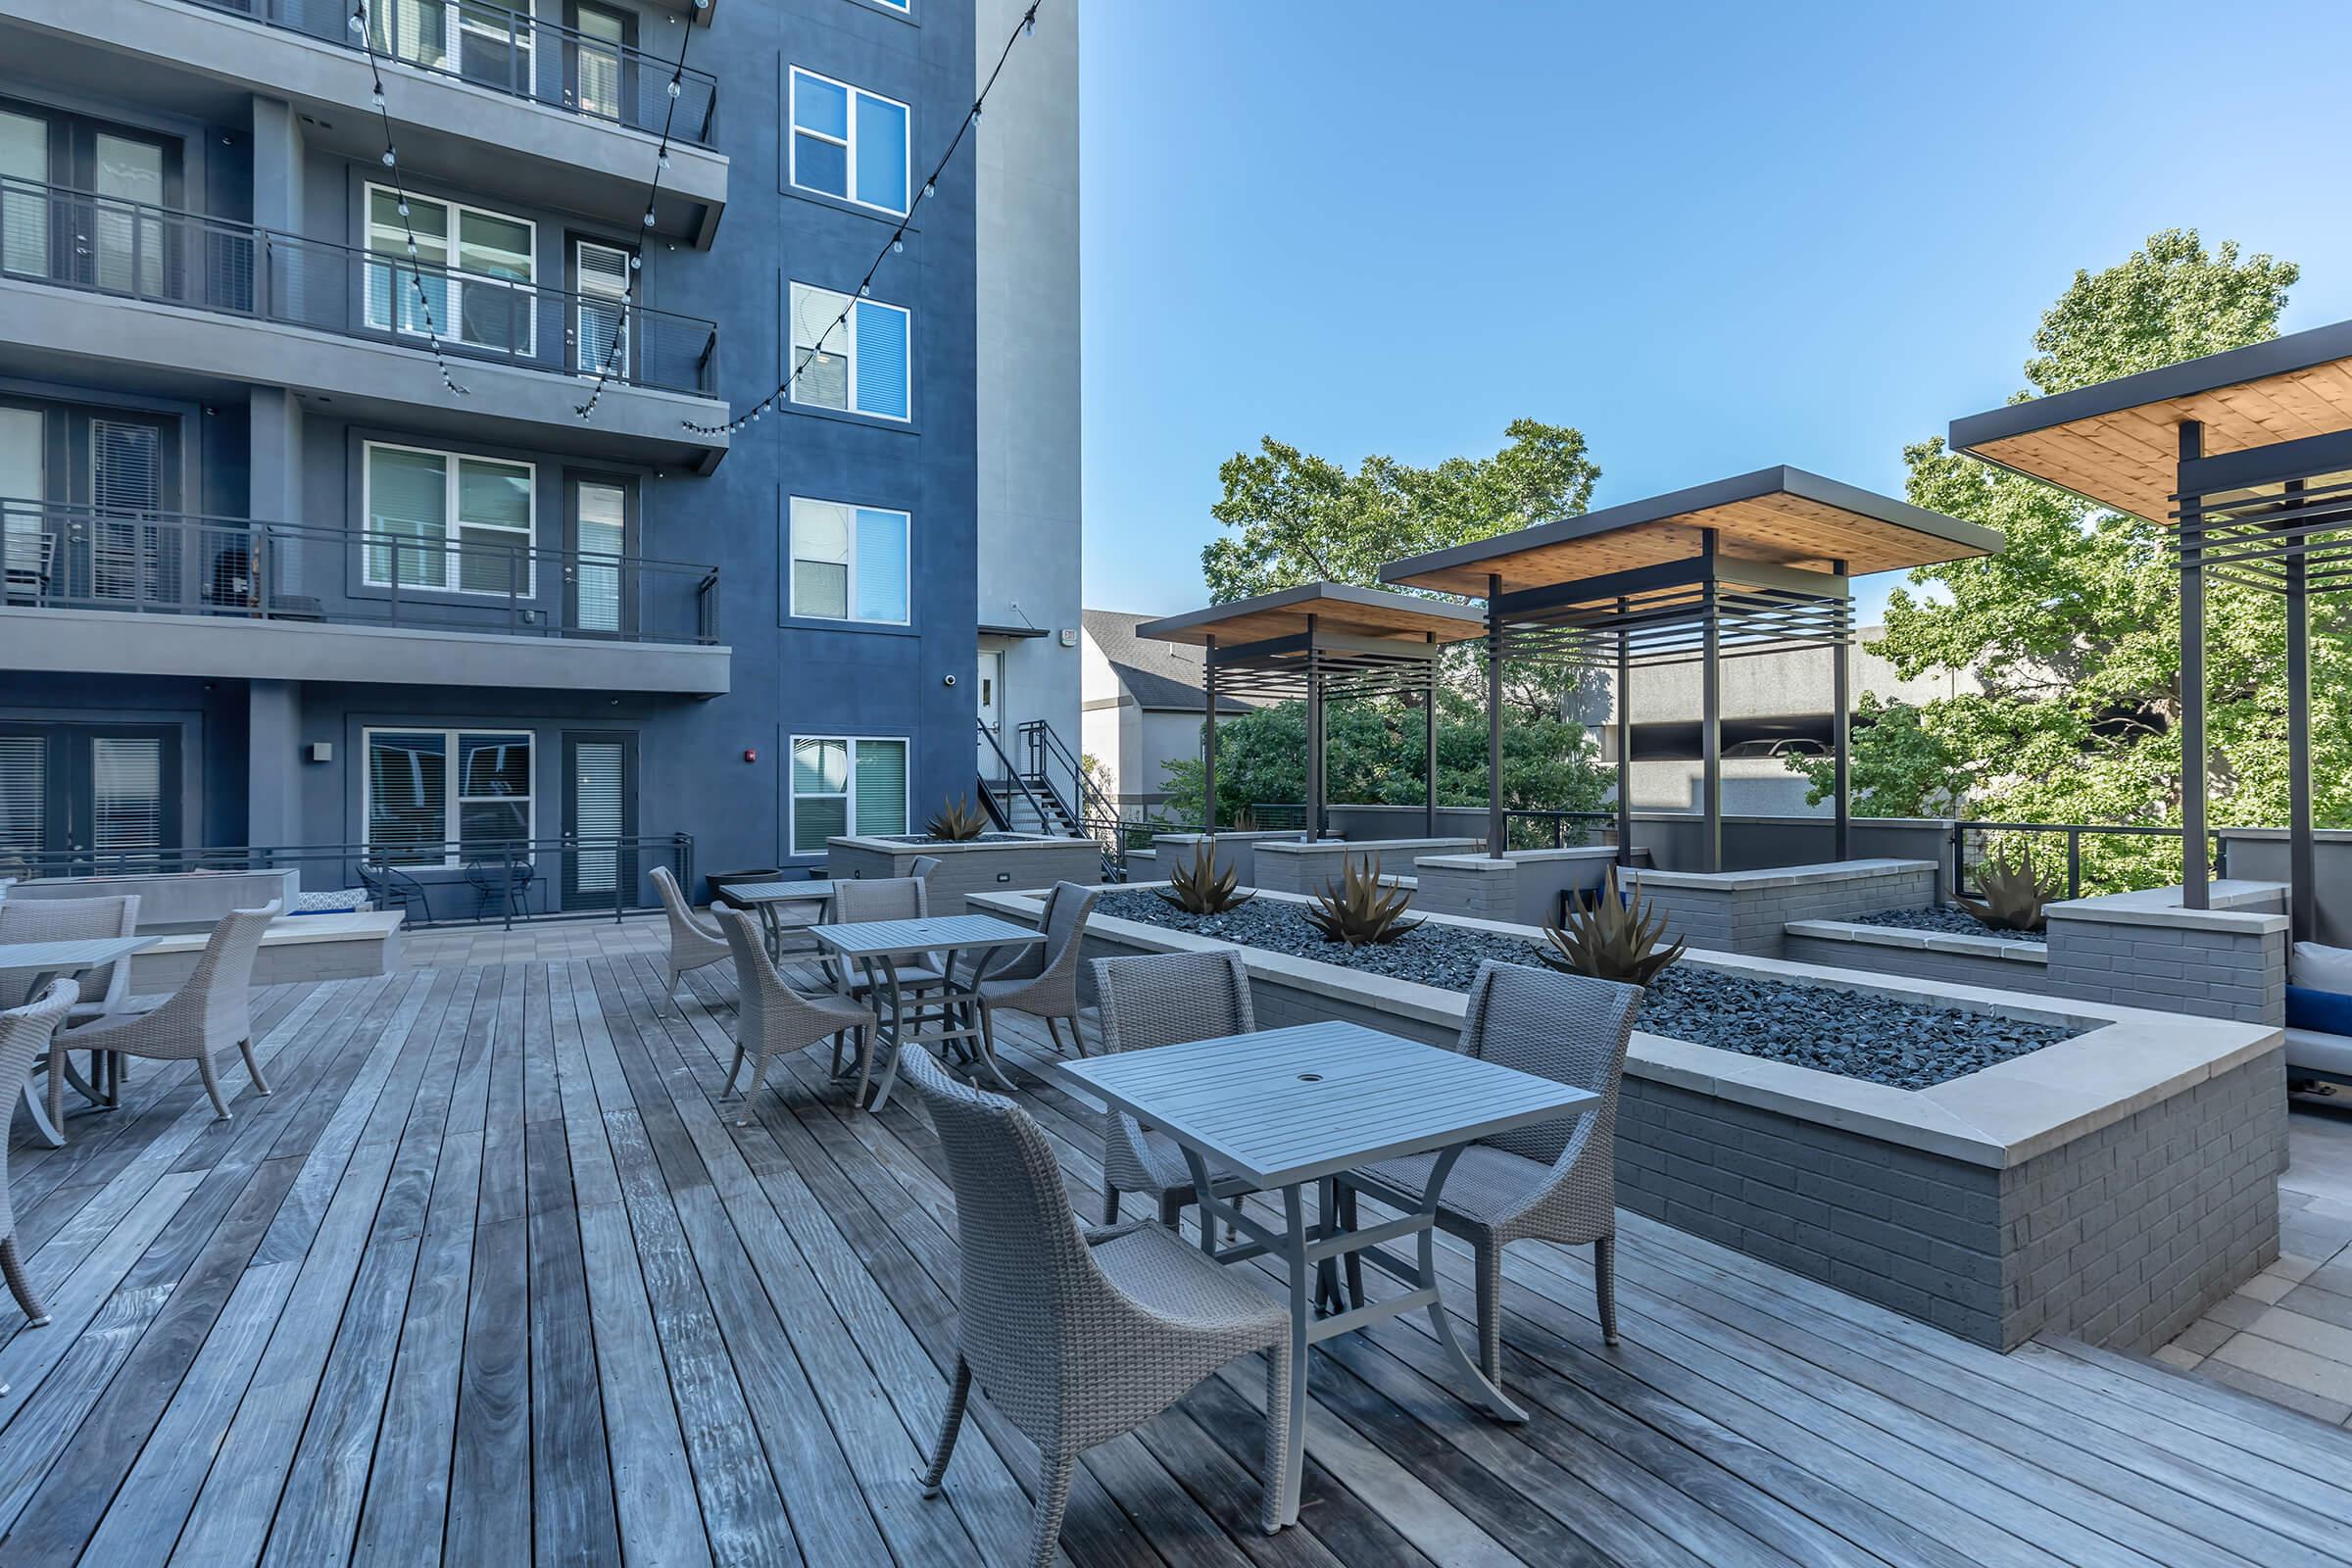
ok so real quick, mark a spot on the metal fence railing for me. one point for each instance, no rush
(449, 883)
(103, 244)
(2091, 854)
(398, 574)
(513, 52)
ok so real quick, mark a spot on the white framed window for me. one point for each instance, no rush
(450, 521)
(475, 269)
(847, 142)
(848, 563)
(846, 784)
(444, 797)
(862, 359)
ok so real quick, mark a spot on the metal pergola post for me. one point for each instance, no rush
(1625, 743)
(1208, 738)
(2301, 862)
(1429, 742)
(1498, 838)
(1316, 784)
(1710, 714)
(2194, 870)
(1840, 736)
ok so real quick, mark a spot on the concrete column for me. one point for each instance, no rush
(272, 762)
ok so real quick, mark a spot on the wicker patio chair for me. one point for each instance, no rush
(1164, 999)
(692, 944)
(891, 897)
(24, 1033)
(1043, 980)
(771, 1018)
(1552, 1182)
(1077, 1334)
(101, 991)
(211, 1013)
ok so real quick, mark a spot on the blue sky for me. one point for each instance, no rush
(1712, 236)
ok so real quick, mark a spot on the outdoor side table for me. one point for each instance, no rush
(52, 960)
(1285, 1108)
(768, 897)
(876, 948)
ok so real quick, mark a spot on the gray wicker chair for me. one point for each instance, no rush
(211, 1013)
(692, 944)
(1164, 999)
(24, 1033)
(1043, 980)
(891, 897)
(1077, 1336)
(101, 991)
(1552, 1182)
(772, 1019)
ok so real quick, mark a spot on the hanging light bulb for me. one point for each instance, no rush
(636, 263)
(648, 217)
(359, 20)
(377, 95)
(388, 158)
(930, 187)
(674, 86)
(1029, 25)
(403, 207)
(662, 161)
(897, 246)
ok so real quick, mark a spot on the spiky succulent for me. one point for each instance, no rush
(1196, 887)
(1358, 909)
(958, 820)
(1608, 937)
(2010, 896)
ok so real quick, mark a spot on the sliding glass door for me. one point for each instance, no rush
(78, 797)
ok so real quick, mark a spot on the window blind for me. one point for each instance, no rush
(126, 784)
(24, 795)
(881, 360)
(881, 565)
(881, 787)
(600, 775)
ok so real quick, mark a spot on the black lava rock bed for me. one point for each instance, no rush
(933, 838)
(1948, 918)
(1857, 1033)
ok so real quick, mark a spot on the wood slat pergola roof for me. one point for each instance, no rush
(1780, 516)
(1337, 608)
(2118, 443)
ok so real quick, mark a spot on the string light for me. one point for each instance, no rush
(1027, 28)
(400, 190)
(653, 199)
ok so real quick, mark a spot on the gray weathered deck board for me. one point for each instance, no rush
(493, 1278)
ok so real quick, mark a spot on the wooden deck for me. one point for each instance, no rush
(489, 1281)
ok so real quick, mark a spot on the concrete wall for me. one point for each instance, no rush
(1748, 911)
(2259, 855)
(1522, 888)
(999, 866)
(1027, 404)
(1313, 868)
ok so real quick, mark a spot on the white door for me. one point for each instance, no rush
(991, 700)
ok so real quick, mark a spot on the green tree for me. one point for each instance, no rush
(2073, 629)
(1905, 769)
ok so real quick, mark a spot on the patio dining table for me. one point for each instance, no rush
(67, 959)
(770, 896)
(1285, 1108)
(879, 947)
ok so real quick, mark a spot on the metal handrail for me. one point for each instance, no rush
(77, 239)
(1013, 773)
(2075, 833)
(514, 53)
(505, 871)
(61, 556)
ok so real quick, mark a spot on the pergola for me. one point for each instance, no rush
(1760, 563)
(1321, 642)
(2248, 455)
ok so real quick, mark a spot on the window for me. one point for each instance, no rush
(473, 271)
(421, 810)
(843, 784)
(848, 563)
(860, 363)
(469, 519)
(599, 329)
(471, 38)
(847, 142)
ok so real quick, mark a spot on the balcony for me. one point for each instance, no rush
(231, 303)
(399, 601)
(516, 106)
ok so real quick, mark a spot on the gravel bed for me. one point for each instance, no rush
(1859, 1035)
(1949, 919)
(933, 838)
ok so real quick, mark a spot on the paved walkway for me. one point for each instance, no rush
(2287, 1334)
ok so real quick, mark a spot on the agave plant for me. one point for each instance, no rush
(958, 820)
(2011, 897)
(1198, 888)
(1358, 909)
(1608, 938)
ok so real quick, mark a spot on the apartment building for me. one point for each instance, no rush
(308, 541)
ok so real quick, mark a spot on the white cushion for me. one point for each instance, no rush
(2323, 969)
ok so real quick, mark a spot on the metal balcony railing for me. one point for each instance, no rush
(76, 239)
(511, 52)
(395, 573)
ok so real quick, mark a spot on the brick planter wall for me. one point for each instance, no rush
(1748, 911)
(1311, 868)
(1000, 866)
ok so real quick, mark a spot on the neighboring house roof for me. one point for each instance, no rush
(1164, 677)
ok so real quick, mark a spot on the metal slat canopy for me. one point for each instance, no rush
(1319, 642)
(2247, 455)
(1753, 565)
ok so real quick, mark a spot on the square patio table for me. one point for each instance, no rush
(878, 946)
(766, 897)
(52, 960)
(1284, 1107)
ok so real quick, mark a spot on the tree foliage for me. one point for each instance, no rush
(2073, 630)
